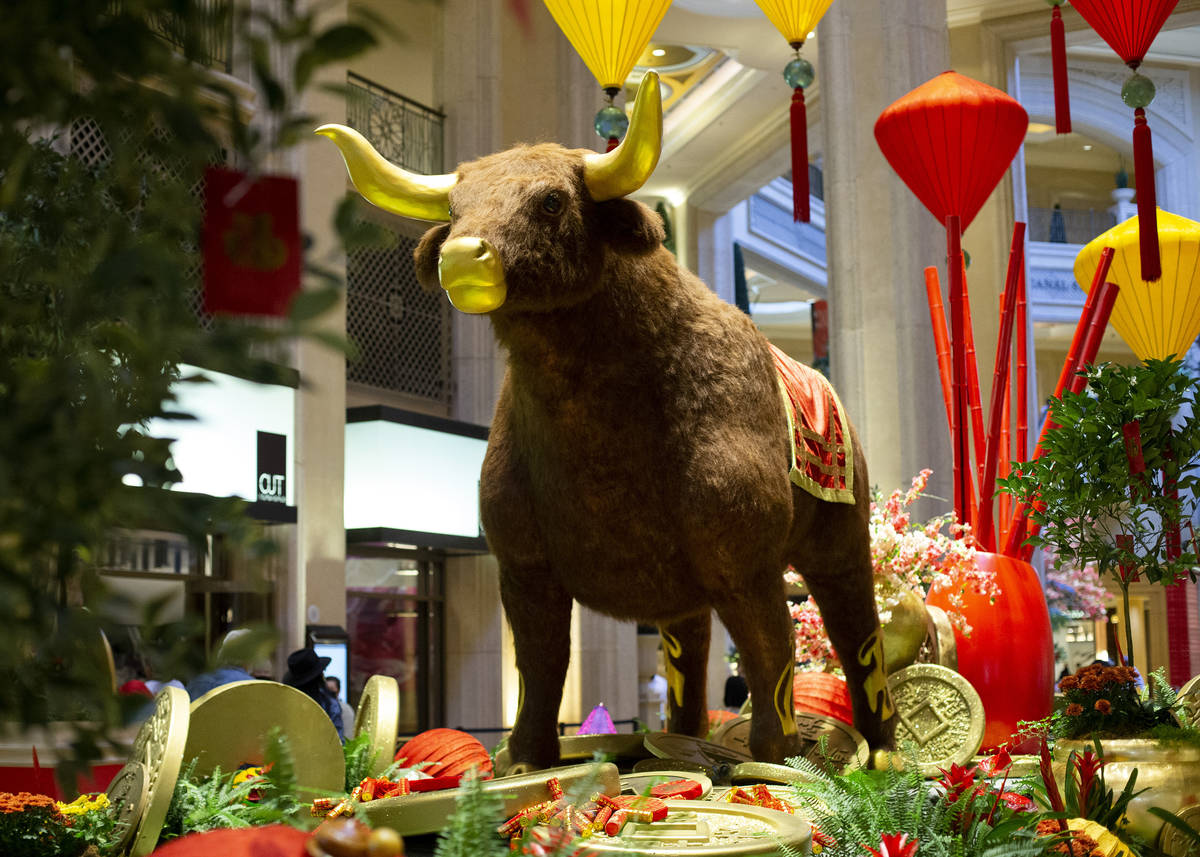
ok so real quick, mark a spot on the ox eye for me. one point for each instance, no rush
(552, 202)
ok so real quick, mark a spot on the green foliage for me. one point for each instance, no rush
(857, 808)
(1088, 795)
(1081, 488)
(96, 262)
(35, 829)
(471, 830)
(1105, 701)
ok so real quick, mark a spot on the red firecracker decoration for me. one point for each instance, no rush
(1058, 62)
(446, 752)
(1129, 27)
(251, 243)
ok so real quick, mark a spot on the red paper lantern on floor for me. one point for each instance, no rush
(1009, 656)
(276, 840)
(446, 752)
(822, 693)
(1129, 27)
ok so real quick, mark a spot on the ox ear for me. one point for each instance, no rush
(629, 226)
(426, 256)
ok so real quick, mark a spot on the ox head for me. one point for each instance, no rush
(529, 226)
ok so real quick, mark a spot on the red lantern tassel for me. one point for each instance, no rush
(1143, 171)
(1058, 60)
(799, 157)
(613, 142)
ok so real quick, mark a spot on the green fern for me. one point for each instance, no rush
(471, 829)
(358, 756)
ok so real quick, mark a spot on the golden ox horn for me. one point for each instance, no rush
(388, 186)
(627, 167)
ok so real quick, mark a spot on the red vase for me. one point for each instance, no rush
(1009, 657)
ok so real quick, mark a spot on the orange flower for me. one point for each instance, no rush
(1074, 709)
(1103, 706)
(23, 801)
(1068, 683)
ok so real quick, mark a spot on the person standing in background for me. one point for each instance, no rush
(306, 673)
(334, 685)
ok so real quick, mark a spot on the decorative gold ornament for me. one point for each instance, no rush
(648, 766)
(158, 751)
(429, 812)
(749, 773)
(378, 715)
(709, 827)
(946, 649)
(718, 760)
(844, 746)
(1171, 840)
(230, 725)
(127, 797)
(939, 712)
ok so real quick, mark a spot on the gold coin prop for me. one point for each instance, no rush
(709, 828)
(1171, 840)
(945, 648)
(127, 796)
(158, 751)
(230, 725)
(939, 712)
(641, 782)
(1189, 702)
(622, 748)
(378, 715)
(646, 766)
(751, 773)
(823, 740)
(718, 760)
(428, 812)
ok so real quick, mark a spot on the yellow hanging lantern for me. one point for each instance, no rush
(1160, 318)
(609, 35)
(795, 19)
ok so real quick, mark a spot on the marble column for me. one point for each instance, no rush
(880, 238)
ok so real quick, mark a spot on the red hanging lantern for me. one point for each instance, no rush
(1129, 27)
(251, 243)
(1058, 62)
(951, 140)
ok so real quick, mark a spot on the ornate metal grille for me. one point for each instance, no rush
(209, 32)
(402, 331)
(405, 132)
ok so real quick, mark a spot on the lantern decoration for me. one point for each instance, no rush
(822, 693)
(445, 753)
(1129, 27)
(795, 19)
(951, 140)
(1058, 63)
(1156, 319)
(609, 35)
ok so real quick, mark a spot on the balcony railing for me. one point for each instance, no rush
(209, 33)
(1068, 225)
(407, 133)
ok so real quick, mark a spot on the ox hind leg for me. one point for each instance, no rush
(685, 650)
(540, 617)
(837, 570)
(762, 630)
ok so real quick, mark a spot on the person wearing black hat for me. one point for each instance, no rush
(306, 672)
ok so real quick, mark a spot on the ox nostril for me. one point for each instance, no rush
(481, 250)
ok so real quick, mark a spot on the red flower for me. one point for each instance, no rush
(1086, 766)
(958, 781)
(894, 845)
(1017, 802)
(993, 765)
(1103, 706)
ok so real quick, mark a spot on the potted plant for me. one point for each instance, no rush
(1113, 488)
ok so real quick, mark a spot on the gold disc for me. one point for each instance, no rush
(159, 748)
(718, 759)
(127, 795)
(378, 715)
(712, 828)
(230, 725)
(642, 781)
(429, 812)
(946, 649)
(1171, 840)
(844, 747)
(750, 773)
(1189, 702)
(940, 712)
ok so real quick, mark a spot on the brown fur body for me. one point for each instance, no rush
(638, 458)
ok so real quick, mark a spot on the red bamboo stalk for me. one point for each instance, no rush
(1005, 464)
(941, 339)
(1073, 363)
(974, 399)
(960, 440)
(1143, 171)
(1022, 373)
(1058, 62)
(987, 485)
(799, 117)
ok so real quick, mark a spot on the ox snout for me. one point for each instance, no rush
(470, 271)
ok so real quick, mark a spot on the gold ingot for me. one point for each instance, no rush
(470, 271)
(710, 827)
(627, 167)
(428, 812)
(230, 725)
(378, 715)
(390, 187)
(940, 712)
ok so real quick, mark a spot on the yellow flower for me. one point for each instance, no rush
(248, 774)
(83, 804)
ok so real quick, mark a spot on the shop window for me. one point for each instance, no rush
(394, 617)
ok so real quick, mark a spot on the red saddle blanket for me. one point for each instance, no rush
(822, 456)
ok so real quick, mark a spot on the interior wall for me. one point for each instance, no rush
(406, 58)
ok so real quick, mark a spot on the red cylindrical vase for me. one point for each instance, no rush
(1009, 656)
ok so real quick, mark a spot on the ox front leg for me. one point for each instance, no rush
(540, 617)
(761, 628)
(685, 650)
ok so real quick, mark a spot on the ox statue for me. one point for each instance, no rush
(639, 456)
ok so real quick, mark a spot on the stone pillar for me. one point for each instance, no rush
(880, 238)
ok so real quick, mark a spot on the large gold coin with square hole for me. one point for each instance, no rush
(709, 829)
(938, 712)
